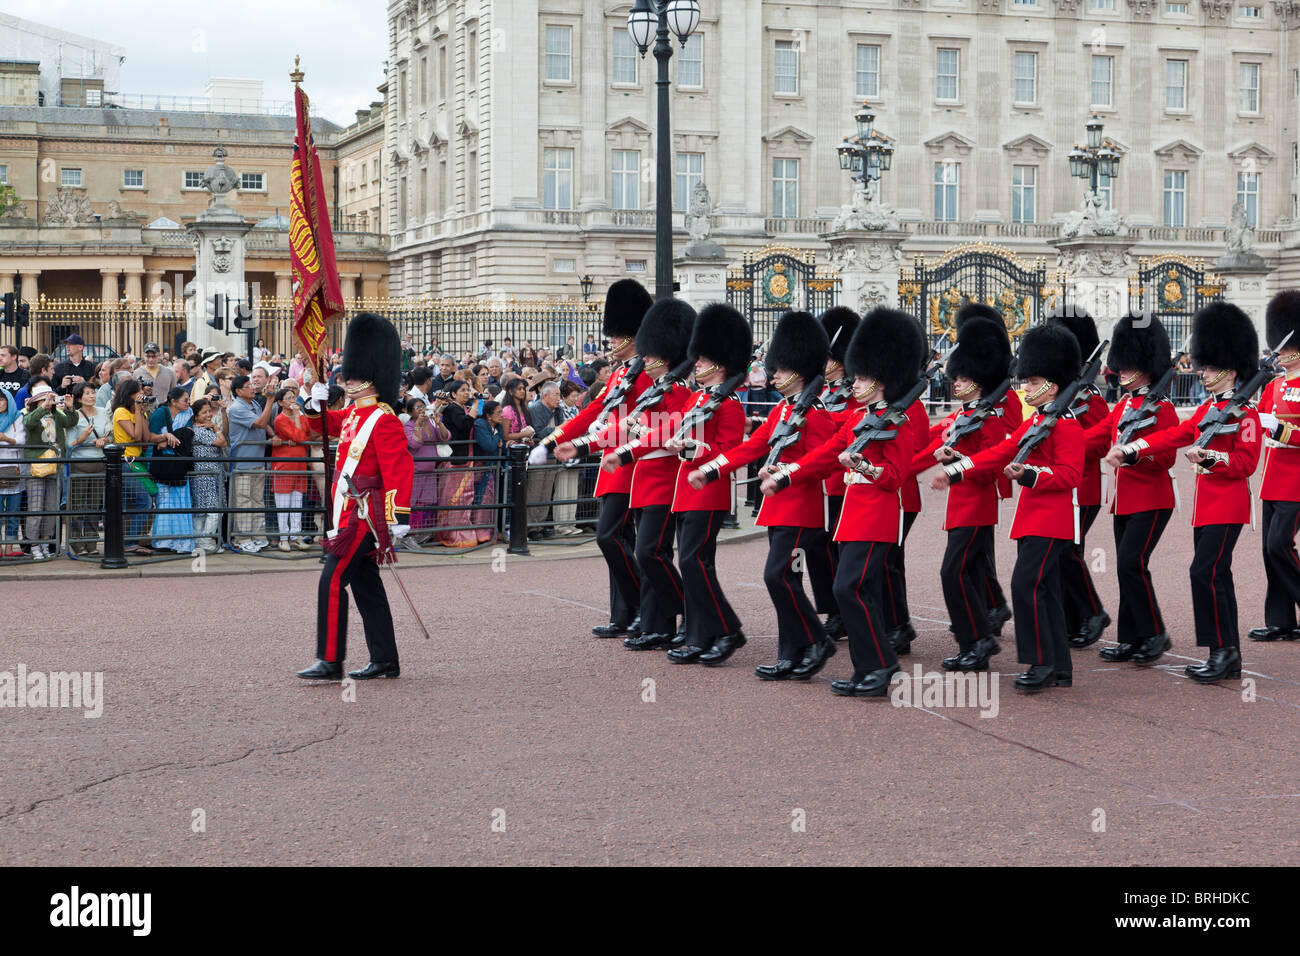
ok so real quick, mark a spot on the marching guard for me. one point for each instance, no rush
(374, 459)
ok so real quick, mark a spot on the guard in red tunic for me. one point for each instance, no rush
(625, 304)
(1226, 349)
(1143, 498)
(977, 367)
(1279, 412)
(897, 616)
(721, 348)
(794, 517)
(884, 357)
(373, 453)
(661, 340)
(1046, 521)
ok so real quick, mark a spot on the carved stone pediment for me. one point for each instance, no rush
(1181, 150)
(951, 141)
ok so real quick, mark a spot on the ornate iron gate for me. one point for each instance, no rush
(1173, 287)
(776, 279)
(976, 272)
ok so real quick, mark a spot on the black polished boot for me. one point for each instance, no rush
(609, 630)
(648, 642)
(902, 637)
(815, 659)
(971, 660)
(1119, 654)
(1038, 678)
(1271, 633)
(874, 684)
(1091, 631)
(723, 648)
(374, 669)
(323, 670)
(781, 670)
(997, 617)
(835, 628)
(1152, 649)
(1224, 663)
(679, 639)
(688, 654)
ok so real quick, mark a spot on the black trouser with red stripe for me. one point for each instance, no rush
(616, 538)
(661, 585)
(962, 577)
(1281, 564)
(992, 589)
(1081, 598)
(860, 589)
(797, 626)
(1136, 537)
(708, 613)
(1214, 596)
(357, 570)
(1036, 603)
(896, 612)
(823, 560)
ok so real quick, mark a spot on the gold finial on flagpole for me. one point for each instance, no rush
(296, 75)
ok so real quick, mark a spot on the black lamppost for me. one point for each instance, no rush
(867, 154)
(1095, 160)
(657, 17)
(586, 282)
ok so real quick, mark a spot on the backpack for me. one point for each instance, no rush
(168, 466)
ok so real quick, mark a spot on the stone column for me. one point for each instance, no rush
(134, 291)
(1246, 285)
(108, 288)
(868, 261)
(30, 290)
(370, 286)
(1096, 270)
(348, 286)
(702, 281)
(284, 285)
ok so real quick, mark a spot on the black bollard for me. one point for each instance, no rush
(114, 553)
(518, 499)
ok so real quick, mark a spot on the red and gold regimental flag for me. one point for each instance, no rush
(317, 297)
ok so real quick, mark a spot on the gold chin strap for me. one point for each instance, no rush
(1209, 386)
(966, 391)
(1126, 382)
(708, 371)
(651, 366)
(359, 388)
(1286, 358)
(1040, 393)
(861, 393)
(614, 349)
(780, 385)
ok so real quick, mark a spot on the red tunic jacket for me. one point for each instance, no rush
(918, 426)
(971, 503)
(1223, 491)
(721, 433)
(620, 481)
(1282, 454)
(653, 467)
(834, 485)
(1146, 484)
(1048, 509)
(1011, 411)
(1090, 486)
(801, 506)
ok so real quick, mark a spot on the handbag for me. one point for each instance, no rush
(148, 484)
(88, 466)
(47, 469)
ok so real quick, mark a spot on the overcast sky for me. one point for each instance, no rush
(172, 48)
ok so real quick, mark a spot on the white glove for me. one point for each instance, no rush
(1268, 420)
(397, 532)
(320, 396)
(538, 455)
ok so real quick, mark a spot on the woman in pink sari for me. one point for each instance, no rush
(456, 477)
(424, 432)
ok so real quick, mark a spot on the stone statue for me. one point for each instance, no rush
(115, 211)
(220, 178)
(699, 224)
(867, 211)
(1240, 238)
(1093, 219)
(17, 211)
(69, 207)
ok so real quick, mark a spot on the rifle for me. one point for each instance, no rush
(1037, 434)
(838, 399)
(655, 393)
(932, 363)
(883, 426)
(787, 433)
(1216, 420)
(619, 392)
(698, 416)
(1144, 416)
(984, 409)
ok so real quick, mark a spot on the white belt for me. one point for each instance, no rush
(856, 478)
(658, 453)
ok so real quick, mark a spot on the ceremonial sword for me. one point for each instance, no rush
(363, 509)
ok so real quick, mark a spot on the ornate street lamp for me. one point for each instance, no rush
(586, 282)
(1095, 160)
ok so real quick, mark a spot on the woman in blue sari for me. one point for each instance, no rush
(174, 532)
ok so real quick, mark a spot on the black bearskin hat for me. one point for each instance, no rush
(1050, 351)
(723, 335)
(372, 352)
(1080, 324)
(1281, 317)
(626, 304)
(798, 344)
(1224, 337)
(981, 354)
(976, 310)
(666, 331)
(1139, 342)
(839, 321)
(889, 347)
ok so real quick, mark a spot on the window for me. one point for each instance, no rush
(868, 84)
(1024, 184)
(471, 60)
(4, 174)
(443, 188)
(1295, 162)
(95, 97)
(785, 78)
(1175, 197)
(1295, 83)
(1246, 13)
(1105, 190)
(1175, 84)
(424, 80)
(193, 179)
(444, 88)
(690, 63)
(635, 265)
(252, 182)
(471, 181)
(133, 179)
(1024, 3)
(1248, 196)
(1180, 8)
(557, 179)
(690, 173)
(401, 92)
(1249, 88)
(72, 177)
(422, 195)
(625, 56)
(945, 74)
(1102, 68)
(785, 188)
(565, 265)
(401, 203)
(559, 54)
(1101, 4)
(947, 175)
(1024, 86)
(624, 179)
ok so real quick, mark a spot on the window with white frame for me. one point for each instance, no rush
(1248, 196)
(785, 68)
(868, 70)
(1024, 3)
(1103, 68)
(252, 182)
(559, 54)
(785, 188)
(1248, 85)
(69, 176)
(635, 265)
(557, 179)
(1249, 12)
(690, 63)
(471, 60)
(947, 178)
(624, 179)
(193, 179)
(946, 86)
(564, 265)
(4, 173)
(1024, 87)
(1105, 191)
(1101, 4)
(1175, 196)
(689, 174)
(1024, 189)
(133, 179)
(1178, 8)
(625, 58)
(1175, 84)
